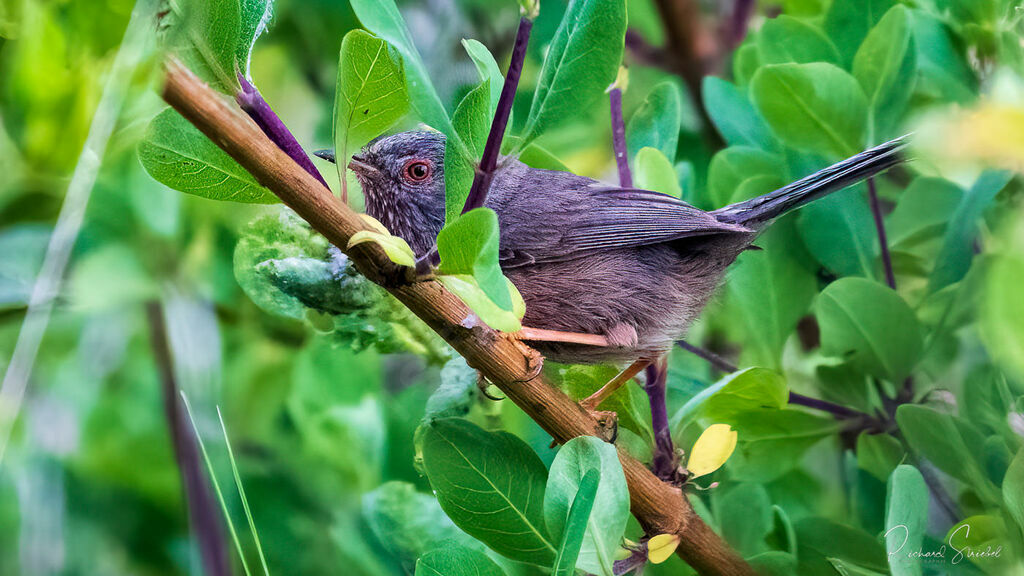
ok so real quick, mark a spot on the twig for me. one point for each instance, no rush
(202, 511)
(719, 363)
(489, 159)
(250, 100)
(681, 20)
(883, 243)
(619, 138)
(134, 48)
(511, 365)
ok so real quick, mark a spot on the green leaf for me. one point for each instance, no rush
(473, 296)
(951, 444)
(607, 521)
(1013, 489)
(734, 115)
(870, 326)
(370, 94)
(848, 21)
(958, 246)
(744, 513)
(408, 523)
(906, 519)
(255, 16)
(773, 442)
(736, 167)
(839, 231)
(769, 291)
(487, 69)
(178, 155)
(944, 73)
(655, 172)
(206, 35)
(886, 67)
(879, 454)
(748, 390)
(491, 484)
(746, 61)
(576, 525)
(1002, 311)
(812, 107)
(472, 121)
(455, 560)
(23, 247)
(657, 121)
(785, 40)
(468, 246)
(383, 19)
(582, 60)
(456, 393)
(922, 211)
(821, 539)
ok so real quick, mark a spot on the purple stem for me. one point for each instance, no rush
(619, 138)
(252, 102)
(739, 21)
(883, 242)
(203, 512)
(664, 465)
(489, 160)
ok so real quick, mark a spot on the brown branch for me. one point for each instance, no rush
(511, 365)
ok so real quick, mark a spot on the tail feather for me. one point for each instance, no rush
(764, 208)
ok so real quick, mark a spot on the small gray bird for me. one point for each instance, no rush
(632, 266)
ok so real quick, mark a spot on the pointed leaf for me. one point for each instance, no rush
(178, 155)
(370, 95)
(607, 521)
(582, 60)
(491, 484)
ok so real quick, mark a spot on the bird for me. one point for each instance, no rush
(626, 268)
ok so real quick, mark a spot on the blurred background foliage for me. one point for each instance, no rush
(322, 391)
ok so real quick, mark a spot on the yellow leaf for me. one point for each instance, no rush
(661, 547)
(711, 450)
(374, 223)
(397, 249)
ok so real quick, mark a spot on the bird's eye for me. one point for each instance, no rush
(417, 171)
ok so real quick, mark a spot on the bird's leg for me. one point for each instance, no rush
(542, 335)
(594, 400)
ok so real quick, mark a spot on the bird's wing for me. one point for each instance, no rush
(610, 218)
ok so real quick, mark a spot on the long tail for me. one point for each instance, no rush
(757, 211)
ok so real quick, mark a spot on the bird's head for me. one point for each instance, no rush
(402, 177)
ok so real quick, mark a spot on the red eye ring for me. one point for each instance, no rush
(416, 171)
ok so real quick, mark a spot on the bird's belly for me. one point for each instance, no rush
(656, 290)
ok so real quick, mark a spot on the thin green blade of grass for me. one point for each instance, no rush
(216, 485)
(241, 494)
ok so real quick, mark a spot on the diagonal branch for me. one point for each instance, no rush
(505, 361)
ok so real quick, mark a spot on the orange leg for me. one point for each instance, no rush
(594, 400)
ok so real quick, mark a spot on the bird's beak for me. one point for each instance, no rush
(359, 165)
(327, 154)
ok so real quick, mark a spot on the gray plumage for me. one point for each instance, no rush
(633, 265)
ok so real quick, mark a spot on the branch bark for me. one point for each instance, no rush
(511, 365)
